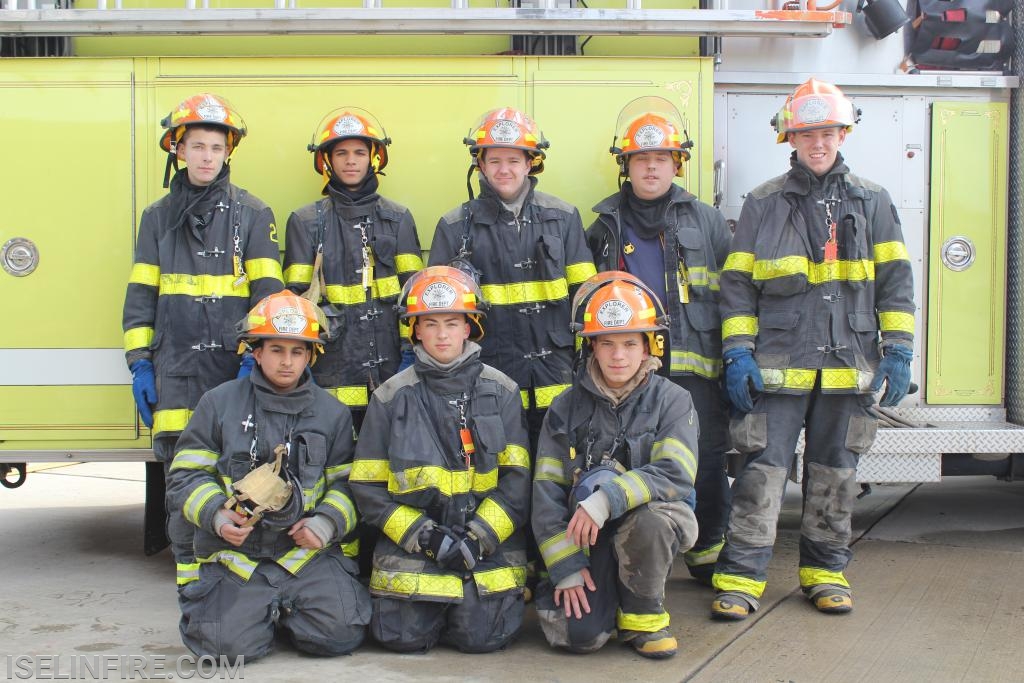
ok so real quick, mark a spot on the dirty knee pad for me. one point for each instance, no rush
(407, 625)
(221, 615)
(329, 608)
(484, 624)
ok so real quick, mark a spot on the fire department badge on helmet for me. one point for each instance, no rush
(211, 110)
(614, 313)
(813, 110)
(289, 321)
(348, 125)
(505, 132)
(649, 136)
(439, 295)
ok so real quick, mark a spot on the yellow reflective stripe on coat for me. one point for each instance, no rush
(738, 584)
(400, 521)
(336, 472)
(675, 450)
(344, 505)
(812, 576)
(257, 268)
(543, 396)
(645, 623)
(408, 263)
(138, 338)
(494, 516)
(739, 325)
(198, 499)
(187, 572)
(195, 460)
(499, 580)
(896, 321)
(514, 456)
(299, 273)
(145, 274)
(699, 558)
(351, 295)
(557, 548)
(297, 558)
(235, 561)
(173, 420)
(701, 277)
(550, 469)
(576, 273)
(373, 471)
(350, 549)
(526, 292)
(788, 378)
(634, 487)
(741, 261)
(890, 251)
(840, 378)
(415, 584)
(187, 284)
(688, 361)
(356, 396)
(447, 482)
(816, 273)
(310, 497)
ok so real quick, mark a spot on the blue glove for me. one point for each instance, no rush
(740, 371)
(895, 369)
(144, 389)
(408, 359)
(246, 366)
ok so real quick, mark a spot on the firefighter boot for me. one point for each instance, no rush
(830, 598)
(733, 606)
(657, 645)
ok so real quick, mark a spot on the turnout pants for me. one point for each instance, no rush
(629, 565)
(838, 428)
(323, 608)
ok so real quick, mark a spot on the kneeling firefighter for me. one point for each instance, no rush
(616, 462)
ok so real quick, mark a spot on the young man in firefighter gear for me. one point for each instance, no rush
(527, 250)
(352, 251)
(617, 460)
(442, 470)
(261, 472)
(676, 244)
(206, 254)
(817, 314)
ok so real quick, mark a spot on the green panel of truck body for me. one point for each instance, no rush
(85, 132)
(965, 343)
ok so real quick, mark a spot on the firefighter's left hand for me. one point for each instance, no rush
(895, 370)
(582, 529)
(304, 536)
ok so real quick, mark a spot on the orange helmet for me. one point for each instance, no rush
(343, 124)
(203, 109)
(812, 106)
(511, 129)
(443, 289)
(284, 316)
(614, 302)
(650, 124)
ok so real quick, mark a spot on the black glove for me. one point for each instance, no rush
(437, 543)
(464, 555)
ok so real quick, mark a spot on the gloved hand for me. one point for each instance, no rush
(464, 555)
(437, 543)
(246, 366)
(144, 389)
(408, 359)
(895, 370)
(740, 371)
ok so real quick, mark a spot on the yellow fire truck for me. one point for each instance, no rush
(83, 87)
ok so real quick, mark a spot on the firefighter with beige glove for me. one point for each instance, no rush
(817, 315)
(261, 472)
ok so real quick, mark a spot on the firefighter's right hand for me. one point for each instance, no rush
(144, 389)
(439, 543)
(574, 599)
(741, 372)
(229, 527)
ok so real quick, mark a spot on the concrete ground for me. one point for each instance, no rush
(936, 574)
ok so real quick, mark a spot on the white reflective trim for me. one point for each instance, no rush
(62, 367)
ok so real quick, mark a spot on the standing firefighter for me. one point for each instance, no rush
(261, 472)
(527, 250)
(617, 460)
(675, 244)
(442, 470)
(352, 251)
(817, 312)
(206, 253)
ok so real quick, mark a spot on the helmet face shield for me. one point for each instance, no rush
(284, 316)
(347, 123)
(614, 302)
(650, 124)
(203, 109)
(511, 129)
(439, 290)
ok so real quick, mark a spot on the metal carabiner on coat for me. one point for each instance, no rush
(831, 247)
(367, 255)
(465, 435)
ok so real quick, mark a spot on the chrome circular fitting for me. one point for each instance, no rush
(19, 256)
(958, 253)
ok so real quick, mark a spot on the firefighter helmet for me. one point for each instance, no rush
(814, 105)
(512, 129)
(343, 124)
(284, 315)
(614, 302)
(443, 289)
(203, 109)
(650, 124)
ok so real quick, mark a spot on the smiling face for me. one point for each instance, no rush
(651, 173)
(443, 335)
(818, 149)
(204, 151)
(505, 170)
(619, 356)
(282, 362)
(350, 160)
